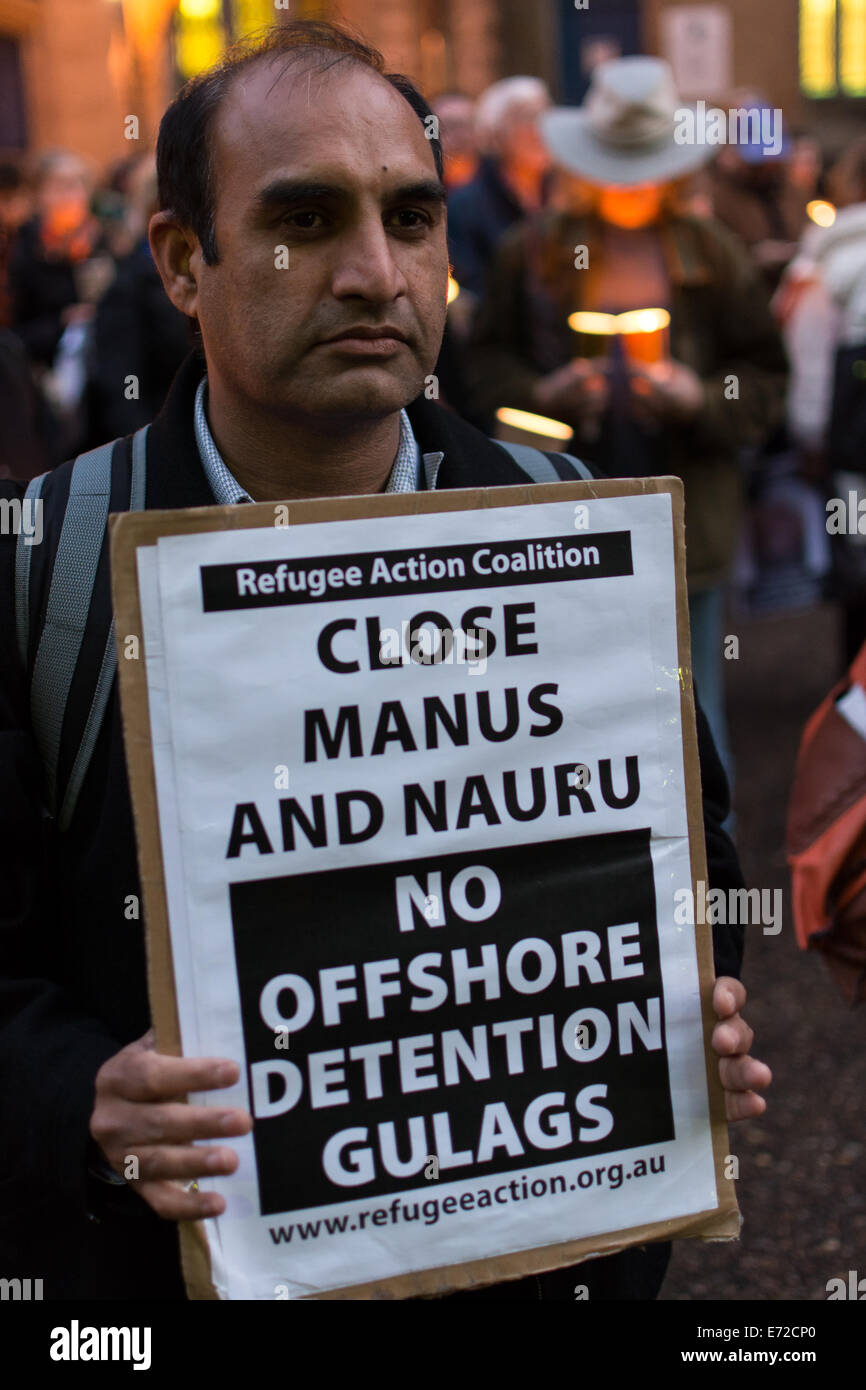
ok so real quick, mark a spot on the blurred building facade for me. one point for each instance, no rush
(807, 57)
(73, 71)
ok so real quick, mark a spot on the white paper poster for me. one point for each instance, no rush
(697, 41)
(423, 888)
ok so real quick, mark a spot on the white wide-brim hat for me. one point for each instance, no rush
(625, 132)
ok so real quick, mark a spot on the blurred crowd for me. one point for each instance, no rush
(655, 307)
(89, 342)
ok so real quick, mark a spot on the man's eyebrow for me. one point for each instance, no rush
(289, 192)
(424, 191)
(285, 191)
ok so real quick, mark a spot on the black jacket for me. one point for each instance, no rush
(135, 311)
(479, 214)
(72, 970)
(41, 287)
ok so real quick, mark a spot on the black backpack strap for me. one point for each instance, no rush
(108, 668)
(73, 576)
(541, 467)
(75, 564)
(23, 557)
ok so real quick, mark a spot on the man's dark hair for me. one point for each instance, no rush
(184, 155)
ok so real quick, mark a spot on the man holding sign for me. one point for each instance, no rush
(303, 227)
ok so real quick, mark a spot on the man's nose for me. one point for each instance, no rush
(366, 267)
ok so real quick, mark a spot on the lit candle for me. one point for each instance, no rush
(822, 213)
(644, 333)
(521, 427)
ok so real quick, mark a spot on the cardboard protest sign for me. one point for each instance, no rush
(418, 804)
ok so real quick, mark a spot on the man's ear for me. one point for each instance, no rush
(177, 255)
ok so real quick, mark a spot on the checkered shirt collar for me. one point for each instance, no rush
(227, 490)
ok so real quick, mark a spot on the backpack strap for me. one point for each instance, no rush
(23, 555)
(540, 466)
(108, 668)
(72, 579)
(76, 562)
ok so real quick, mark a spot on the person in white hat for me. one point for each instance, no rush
(618, 239)
(627, 164)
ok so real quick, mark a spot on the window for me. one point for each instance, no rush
(202, 29)
(13, 125)
(833, 48)
(199, 35)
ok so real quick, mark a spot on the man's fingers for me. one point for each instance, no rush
(182, 1164)
(150, 1076)
(744, 1074)
(171, 1123)
(729, 996)
(732, 1037)
(174, 1203)
(177, 1123)
(744, 1105)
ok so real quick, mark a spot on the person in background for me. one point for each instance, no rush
(15, 209)
(755, 195)
(821, 304)
(805, 167)
(510, 181)
(45, 290)
(31, 438)
(138, 337)
(456, 116)
(622, 243)
(110, 202)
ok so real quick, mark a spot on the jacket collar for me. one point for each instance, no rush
(470, 458)
(175, 477)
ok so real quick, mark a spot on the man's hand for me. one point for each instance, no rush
(742, 1076)
(140, 1111)
(577, 393)
(665, 392)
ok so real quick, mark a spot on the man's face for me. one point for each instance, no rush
(631, 207)
(523, 146)
(64, 193)
(329, 220)
(457, 125)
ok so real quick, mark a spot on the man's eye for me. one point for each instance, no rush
(412, 219)
(303, 221)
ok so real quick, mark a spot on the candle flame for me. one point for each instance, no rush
(824, 214)
(643, 321)
(534, 424)
(600, 324)
(632, 321)
(453, 289)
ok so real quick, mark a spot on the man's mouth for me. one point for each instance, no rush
(368, 340)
